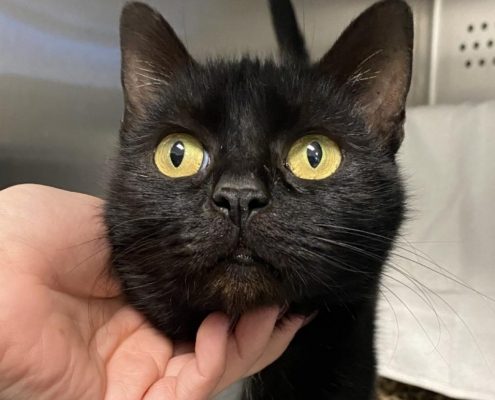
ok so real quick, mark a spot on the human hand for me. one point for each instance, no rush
(66, 333)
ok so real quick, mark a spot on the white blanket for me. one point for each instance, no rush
(437, 328)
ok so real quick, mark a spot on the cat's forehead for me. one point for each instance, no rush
(251, 95)
(251, 82)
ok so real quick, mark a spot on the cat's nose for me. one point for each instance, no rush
(240, 198)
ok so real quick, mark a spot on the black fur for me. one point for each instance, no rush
(291, 42)
(318, 245)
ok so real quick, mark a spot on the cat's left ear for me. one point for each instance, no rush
(373, 60)
(151, 54)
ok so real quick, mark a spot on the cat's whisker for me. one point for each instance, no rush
(158, 218)
(141, 286)
(308, 274)
(453, 279)
(381, 260)
(415, 317)
(424, 291)
(418, 285)
(348, 268)
(396, 319)
(444, 272)
(373, 256)
(423, 296)
(458, 316)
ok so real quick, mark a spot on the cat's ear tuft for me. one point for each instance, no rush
(151, 54)
(373, 60)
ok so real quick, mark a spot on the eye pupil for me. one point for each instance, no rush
(177, 153)
(314, 153)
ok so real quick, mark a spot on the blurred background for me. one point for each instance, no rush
(60, 110)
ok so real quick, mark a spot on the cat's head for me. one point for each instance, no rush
(242, 183)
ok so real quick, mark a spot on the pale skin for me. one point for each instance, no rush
(66, 332)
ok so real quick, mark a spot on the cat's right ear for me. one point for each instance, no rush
(373, 60)
(151, 55)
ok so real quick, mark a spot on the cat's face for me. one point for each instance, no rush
(247, 183)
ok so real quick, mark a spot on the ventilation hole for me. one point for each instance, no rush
(476, 45)
(484, 26)
(462, 47)
(493, 61)
(481, 62)
(489, 44)
(470, 28)
(468, 64)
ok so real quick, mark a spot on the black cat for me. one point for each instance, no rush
(248, 182)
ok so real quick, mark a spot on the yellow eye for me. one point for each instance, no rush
(179, 155)
(314, 157)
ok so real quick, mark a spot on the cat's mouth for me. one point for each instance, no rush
(242, 281)
(243, 258)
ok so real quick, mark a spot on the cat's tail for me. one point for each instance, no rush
(289, 37)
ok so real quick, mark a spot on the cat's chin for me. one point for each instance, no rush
(236, 287)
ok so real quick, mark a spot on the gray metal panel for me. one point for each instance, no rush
(463, 63)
